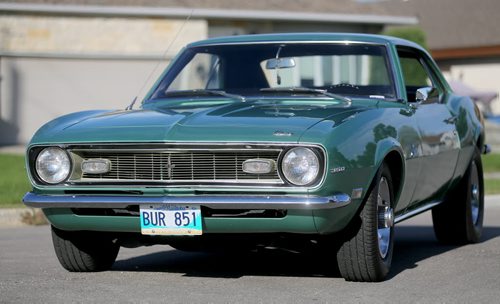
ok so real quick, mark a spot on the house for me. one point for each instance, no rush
(463, 37)
(62, 56)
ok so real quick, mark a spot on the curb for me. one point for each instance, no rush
(11, 217)
(492, 175)
(493, 199)
(18, 217)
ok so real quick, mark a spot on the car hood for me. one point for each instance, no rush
(250, 121)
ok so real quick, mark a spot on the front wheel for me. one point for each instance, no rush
(84, 251)
(366, 256)
(459, 219)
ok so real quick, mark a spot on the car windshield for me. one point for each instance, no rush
(241, 71)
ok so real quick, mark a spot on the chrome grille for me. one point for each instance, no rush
(179, 166)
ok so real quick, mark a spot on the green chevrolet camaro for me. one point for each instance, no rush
(250, 140)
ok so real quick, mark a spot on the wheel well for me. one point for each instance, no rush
(395, 164)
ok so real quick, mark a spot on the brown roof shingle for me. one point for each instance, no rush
(453, 23)
(313, 6)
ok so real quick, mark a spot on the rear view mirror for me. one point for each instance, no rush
(280, 63)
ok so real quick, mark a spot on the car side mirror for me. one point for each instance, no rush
(426, 95)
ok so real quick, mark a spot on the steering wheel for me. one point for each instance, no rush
(344, 85)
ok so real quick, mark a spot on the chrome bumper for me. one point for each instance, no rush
(486, 149)
(216, 202)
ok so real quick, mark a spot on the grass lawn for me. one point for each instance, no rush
(13, 180)
(492, 186)
(491, 162)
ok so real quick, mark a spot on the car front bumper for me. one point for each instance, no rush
(305, 214)
(217, 202)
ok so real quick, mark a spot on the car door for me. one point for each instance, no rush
(440, 143)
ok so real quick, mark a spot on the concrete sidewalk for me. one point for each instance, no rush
(11, 217)
(18, 149)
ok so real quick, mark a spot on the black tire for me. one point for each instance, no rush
(362, 257)
(84, 251)
(459, 219)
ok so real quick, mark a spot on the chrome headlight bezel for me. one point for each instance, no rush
(314, 162)
(61, 165)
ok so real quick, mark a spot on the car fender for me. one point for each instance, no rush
(391, 151)
(47, 132)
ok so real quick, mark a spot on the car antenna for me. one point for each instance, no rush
(131, 105)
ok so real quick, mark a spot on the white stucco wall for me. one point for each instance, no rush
(54, 65)
(35, 91)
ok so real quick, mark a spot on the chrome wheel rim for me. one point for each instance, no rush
(475, 194)
(385, 217)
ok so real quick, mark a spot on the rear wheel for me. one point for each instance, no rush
(459, 219)
(367, 255)
(84, 251)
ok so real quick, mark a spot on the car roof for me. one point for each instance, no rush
(306, 37)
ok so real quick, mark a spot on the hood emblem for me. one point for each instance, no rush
(282, 133)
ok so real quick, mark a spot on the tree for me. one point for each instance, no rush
(412, 33)
(413, 73)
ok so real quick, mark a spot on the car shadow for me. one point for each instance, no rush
(413, 244)
(265, 262)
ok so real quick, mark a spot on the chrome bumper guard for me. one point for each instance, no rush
(215, 202)
(486, 149)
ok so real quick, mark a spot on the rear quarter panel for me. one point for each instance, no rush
(469, 127)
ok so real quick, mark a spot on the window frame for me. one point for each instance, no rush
(429, 68)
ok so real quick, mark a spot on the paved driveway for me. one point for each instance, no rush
(423, 271)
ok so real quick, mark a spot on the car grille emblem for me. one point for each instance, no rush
(169, 168)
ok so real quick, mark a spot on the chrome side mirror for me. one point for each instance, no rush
(422, 94)
(426, 95)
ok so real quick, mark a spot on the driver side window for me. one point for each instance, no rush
(415, 73)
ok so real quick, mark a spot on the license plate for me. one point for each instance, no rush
(171, 220)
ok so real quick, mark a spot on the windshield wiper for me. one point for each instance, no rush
(205, 92)
(309, 91)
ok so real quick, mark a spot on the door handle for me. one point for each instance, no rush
(452, 120)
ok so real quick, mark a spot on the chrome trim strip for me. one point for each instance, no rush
(174, 183)
(346, 42)
(337, 200)
(226, 145)
(175, 150)
(417, 211)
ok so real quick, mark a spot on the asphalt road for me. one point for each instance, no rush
(423, 272)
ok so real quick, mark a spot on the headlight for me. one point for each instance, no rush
(300, 166)
(53, 165)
